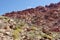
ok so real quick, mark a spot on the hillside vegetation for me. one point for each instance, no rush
(40, 23)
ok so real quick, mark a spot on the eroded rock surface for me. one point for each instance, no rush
(48, 16)
(40, 23)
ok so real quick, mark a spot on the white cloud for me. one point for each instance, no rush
(29, 7)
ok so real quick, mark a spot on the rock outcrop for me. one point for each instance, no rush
(48, 16)
(40, 23)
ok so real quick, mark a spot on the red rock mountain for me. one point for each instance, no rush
(48, 16)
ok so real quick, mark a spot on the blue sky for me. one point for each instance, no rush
(17, 5)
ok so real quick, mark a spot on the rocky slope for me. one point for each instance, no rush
(48, 16)
(40, 23)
